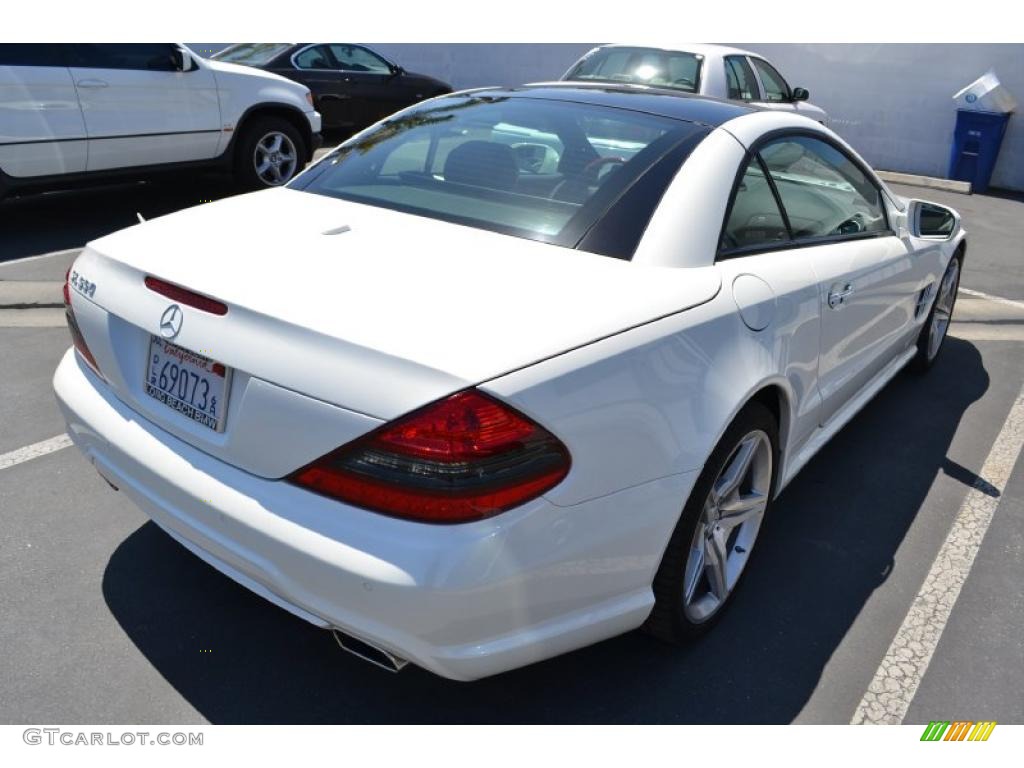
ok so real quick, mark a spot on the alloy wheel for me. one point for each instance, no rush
(275, 158)
(728, 527)
(943, 311)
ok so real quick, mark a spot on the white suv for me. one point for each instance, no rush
(80, 112)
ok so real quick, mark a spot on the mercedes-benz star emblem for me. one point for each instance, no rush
(170, 321)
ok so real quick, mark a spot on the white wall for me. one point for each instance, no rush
(892, 102)
(470, 65)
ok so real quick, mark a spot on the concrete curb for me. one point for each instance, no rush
(946, 185)
(30, 294)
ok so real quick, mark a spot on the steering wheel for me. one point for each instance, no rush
(592, 170)
(853, 225)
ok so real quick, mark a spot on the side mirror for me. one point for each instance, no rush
(801, 94)
(182, 60)
(397, 69)
(933, 221)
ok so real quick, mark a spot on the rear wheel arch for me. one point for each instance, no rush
(961, 251)
(290, 114)
(775, 398)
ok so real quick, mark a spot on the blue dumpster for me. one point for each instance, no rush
(976, 141)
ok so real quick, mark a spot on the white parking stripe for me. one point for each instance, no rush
(34, 451)
(896, 681)
(990, 297)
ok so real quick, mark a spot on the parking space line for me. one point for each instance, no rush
(892, 689)
(33, 451)
(990, 297)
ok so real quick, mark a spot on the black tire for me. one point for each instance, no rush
(668, 620)
(923, 361)
(245, 151)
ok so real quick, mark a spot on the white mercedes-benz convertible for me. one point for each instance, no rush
(508, 373)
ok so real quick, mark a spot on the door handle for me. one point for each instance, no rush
(838, 296)
(92, 82)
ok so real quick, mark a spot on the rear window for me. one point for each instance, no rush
(251, 54)
(535, 168)
(677, 70)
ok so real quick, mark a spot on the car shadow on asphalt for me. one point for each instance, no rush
(57, 221)
(831, 542)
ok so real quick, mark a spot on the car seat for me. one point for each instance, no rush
(482, 164)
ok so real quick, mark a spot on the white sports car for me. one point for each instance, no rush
(512, 371)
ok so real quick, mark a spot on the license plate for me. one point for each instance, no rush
(193, 385)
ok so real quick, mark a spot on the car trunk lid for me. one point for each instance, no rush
(370, 310)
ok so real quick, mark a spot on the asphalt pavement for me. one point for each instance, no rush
(107, 620)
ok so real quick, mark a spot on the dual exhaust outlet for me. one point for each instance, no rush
(367, 651)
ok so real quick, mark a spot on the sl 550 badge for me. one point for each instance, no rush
(85, 287)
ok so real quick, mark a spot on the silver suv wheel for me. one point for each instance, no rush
(275, 159)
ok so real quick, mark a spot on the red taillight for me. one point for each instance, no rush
(462, 458)
(76, 333)
(187, 297)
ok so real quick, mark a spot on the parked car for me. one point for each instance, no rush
(84, 112)
(353, 85)
(475, 406)
(710, 70)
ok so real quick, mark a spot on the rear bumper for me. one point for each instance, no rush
(463, 601)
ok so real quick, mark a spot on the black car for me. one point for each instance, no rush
(353, 86)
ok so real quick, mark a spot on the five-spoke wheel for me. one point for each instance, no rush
(728, 527)
(270, 152)
(936, 326)
(275, 158)
(715, 536)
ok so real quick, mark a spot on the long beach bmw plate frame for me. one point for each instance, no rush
(188, 382)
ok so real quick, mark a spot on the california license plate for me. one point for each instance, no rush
(193, 385)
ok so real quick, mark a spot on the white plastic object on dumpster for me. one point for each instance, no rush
(986, 94)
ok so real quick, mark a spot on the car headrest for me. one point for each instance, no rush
(482, 164)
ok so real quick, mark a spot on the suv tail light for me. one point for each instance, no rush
(76, 333)
(463, 458)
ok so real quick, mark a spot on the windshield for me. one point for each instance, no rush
(535, 168)
(251, 54)
(644, 66)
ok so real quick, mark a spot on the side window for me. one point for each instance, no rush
(823, 192)
(157, 57)
(31, 55)
(317, 57)
(739, 78)
(354, 58)
(775, 88)
(755, 218)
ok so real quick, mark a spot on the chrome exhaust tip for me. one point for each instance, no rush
(368, 651)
